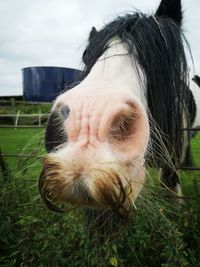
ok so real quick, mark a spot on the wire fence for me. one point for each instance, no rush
(22, 126)
(20, 155)
(41, 116)
(13, 102)
(189, 131)
(39, 120)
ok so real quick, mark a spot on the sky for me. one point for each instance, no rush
(55, 32)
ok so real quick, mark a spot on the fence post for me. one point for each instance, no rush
(12, 102)
(17, 118)
(4, 167)
(39, 117)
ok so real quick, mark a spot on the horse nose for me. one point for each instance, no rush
(127, 129)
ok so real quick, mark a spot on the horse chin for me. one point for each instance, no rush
(110, 184)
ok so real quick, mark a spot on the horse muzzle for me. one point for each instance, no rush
(96, 154)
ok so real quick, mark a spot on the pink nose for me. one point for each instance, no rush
(100, 163)
(123, 125)
(126, 129)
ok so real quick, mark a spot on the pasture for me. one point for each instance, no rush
(162, 232)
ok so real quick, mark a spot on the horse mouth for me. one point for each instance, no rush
(109, 187)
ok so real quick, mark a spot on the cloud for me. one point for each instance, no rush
(54, 33)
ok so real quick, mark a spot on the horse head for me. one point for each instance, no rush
(98, 134)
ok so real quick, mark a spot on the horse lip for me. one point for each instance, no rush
(80, 190)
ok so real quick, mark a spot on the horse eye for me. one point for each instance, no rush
(65, 111)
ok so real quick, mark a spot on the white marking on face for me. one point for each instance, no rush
(110, 93)
(196, 94)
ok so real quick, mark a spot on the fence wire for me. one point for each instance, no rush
(39, 116)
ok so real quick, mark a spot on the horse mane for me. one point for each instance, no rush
(156, 45)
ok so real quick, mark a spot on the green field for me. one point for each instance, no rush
(18, 140)
(23, 142)
(162, 232)
(195, 147)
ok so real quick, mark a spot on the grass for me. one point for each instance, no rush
(195, 147)
(188, 178)
(22, 141)
(161, 233)
(18, 140)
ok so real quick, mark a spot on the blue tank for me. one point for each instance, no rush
(44, 84)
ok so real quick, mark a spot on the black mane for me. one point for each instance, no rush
(156, 44)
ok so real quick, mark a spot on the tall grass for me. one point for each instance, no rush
(162, 232)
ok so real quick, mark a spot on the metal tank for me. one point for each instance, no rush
(44, 84)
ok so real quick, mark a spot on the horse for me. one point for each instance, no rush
(126, 113)
(196, 79)
(195, 91)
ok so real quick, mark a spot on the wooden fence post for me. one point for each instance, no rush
(4, 167)
(17, 118)
(39, 117)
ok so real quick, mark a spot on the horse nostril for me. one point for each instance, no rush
(123, 124)
(65, 111)
(128, 131)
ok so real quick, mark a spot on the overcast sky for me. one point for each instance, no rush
(54, 32)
